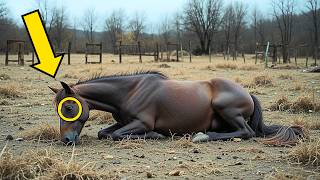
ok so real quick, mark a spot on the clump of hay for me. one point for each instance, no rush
(10, 91)
(281, 104)
(248, 67)
(301, 104)
(42, 165)
(164, 66)
(4, 77)
(306, 153)
(285, 76)
(313, 125)
(71, 76)
(287, 66)
(130, 143)
(42, 132)
(282, 176)
(297, 87)
(262, 80)
(209, 67)
(227, 66)
(184, 142)
(100, 117)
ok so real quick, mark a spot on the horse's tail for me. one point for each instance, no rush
(276, 134)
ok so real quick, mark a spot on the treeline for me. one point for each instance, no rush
(229, 28)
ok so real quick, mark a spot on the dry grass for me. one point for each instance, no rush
(10, 91)
(282, 176)
(130, 143)
(227, 66)
(301, 104)
(184, 142)
(313, 125)
(298, 86)
(262, 80)
(42, 132)
(71, 76)
(306, 153)
(247, 67)
(285, 66)
(42, 165)
(285, 77)
(203, 168)
(100, 117)
(4, 77)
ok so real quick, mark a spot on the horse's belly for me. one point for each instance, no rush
(184, 110)
(169, 126)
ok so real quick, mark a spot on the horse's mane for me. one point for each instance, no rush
(97, 76)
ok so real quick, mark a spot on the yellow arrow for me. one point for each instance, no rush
(48, 62)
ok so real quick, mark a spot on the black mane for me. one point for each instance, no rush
(136, 73)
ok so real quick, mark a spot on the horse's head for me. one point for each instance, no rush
(73, 111)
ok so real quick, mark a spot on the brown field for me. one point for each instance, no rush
(288, 96)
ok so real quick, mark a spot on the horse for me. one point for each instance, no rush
(149, 105)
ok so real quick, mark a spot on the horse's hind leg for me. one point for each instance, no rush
(233, 117)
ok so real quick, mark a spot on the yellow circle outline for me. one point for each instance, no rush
(70, 99)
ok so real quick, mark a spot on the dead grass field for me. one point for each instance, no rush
(28, 120)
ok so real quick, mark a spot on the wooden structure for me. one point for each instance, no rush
(93, 49)
(272, 51)
(67, 52)
(136, 50)
(176, 47)
(20, 52)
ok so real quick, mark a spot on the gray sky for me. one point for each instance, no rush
(154, 10)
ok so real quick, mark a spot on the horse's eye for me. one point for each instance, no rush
(69, 108)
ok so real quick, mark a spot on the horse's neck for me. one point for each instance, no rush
(106, 95)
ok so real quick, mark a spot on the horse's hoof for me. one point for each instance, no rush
(200, 137)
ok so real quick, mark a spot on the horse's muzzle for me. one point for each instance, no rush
(70, 138)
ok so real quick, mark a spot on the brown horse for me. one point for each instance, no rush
(150, 105)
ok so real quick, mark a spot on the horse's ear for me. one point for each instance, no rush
(55, 90)
(67, 88)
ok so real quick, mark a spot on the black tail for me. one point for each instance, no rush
(276, 134)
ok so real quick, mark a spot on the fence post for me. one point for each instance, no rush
(177, 52)
(210, 53)
(157, 47)
(86, 53)
(100, 53)
(139, 50)
(181, 52)
(20, 55)
(7, 54)
(69, 49)
(190, 54)
(295, 56)
(120, 56)
(266, 56)
(32, 57)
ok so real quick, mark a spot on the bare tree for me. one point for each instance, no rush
(59, 27)
(313, 13)
(239, 10)
(227, 21)
(115, 26)
(48, 14)
(89, 24)
(203, 18)
(165, 29)
(283, 11)
(137, 25)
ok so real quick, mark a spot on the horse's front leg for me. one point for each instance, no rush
(135, 130)
(106, 133)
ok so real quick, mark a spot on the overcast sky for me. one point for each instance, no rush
(154, 10)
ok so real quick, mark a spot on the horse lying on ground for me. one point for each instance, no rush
(150, 105)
